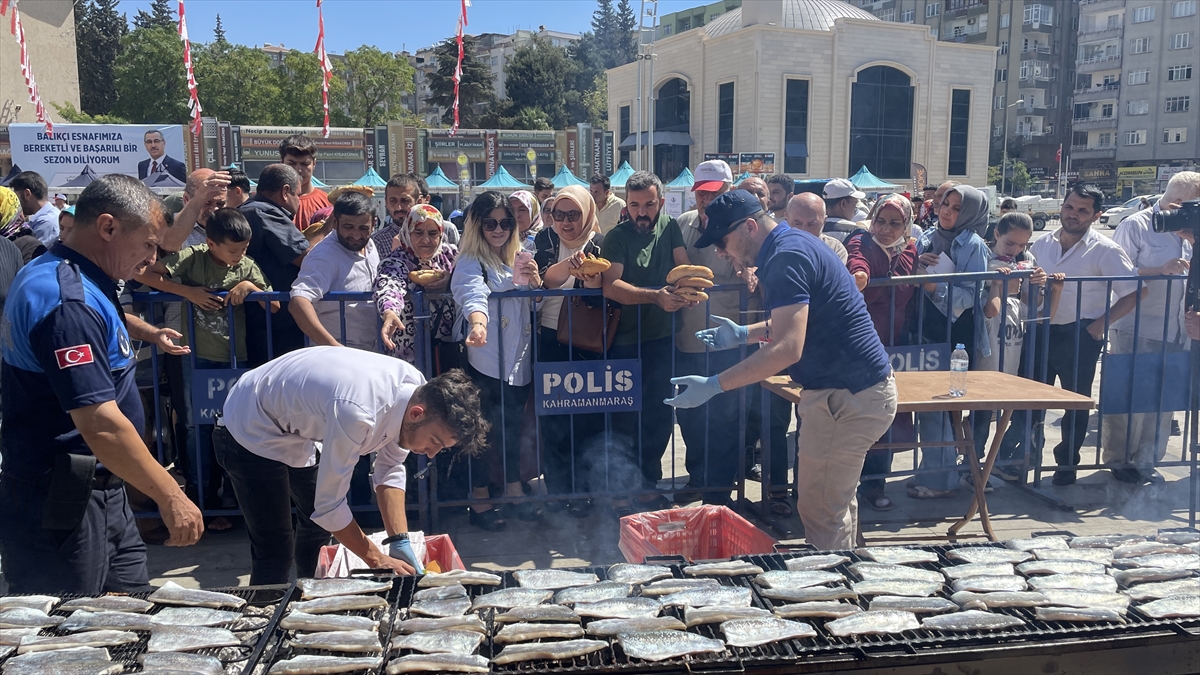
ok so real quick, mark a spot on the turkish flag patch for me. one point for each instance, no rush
(69, 357)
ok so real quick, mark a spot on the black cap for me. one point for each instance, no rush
(725, 211)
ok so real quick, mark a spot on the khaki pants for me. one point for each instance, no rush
(1147, 433)
(837, 430)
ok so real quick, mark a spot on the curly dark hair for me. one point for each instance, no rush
(454, 399)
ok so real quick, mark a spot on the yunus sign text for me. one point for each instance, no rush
(569, 387)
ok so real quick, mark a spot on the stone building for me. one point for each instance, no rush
(50, 35)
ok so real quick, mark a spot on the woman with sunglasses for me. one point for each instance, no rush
(498, 338)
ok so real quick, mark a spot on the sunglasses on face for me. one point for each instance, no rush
(569, 216)
(506, 224)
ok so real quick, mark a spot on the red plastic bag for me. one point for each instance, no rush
(698, 533)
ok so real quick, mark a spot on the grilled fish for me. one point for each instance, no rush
(971, 619)
(507, 598)
(978, 570)
(755, 632)
(615, 627)
(694, 616)
(1079, 582)
(83, 620)
(990, 584)
(434, 593)
(344, 603)
(558, 651)
(1140, 575)
(181, 664)
(733, 568)
(464, 577)
(311, 589)
(94, 638)
(79, 661)
(988, 554)
(906, 587)
(1165, 589)
(887, 571)
(620, 608)
(1104, 556)
(1063, 597)
(1181, 537)
(469, 623)
(359, 641)
(669, 586)
(1078, 614)
(897, 555)
(1034, 567)
(725, 596)
(812, 594)
(604, 590)
(878, 622)
(823, 608)
(1173, 607)
(552, 580)
(172, 593)
(539, 614)
(1175, 561)
(440, 642)
(1034, 543)
(815, 562)
(189, 638)
(629, 573)
(194, 616)
(11, 637)
(914, 605)
(799, 579)
(438, 663)
(43, 603)
(528, 632)
(23, 617)
(660, 645)
(441, 608)
(321, 665)
(325, 622)
(108, 603)
(1146, 548)
(1106, 541)
(998, 599)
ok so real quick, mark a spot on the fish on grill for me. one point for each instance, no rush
(441, 608)
(607, 628)
(724, 596)
(797, 579)
(695, 616)
(507, 598)
(1035, 567)
(1064, 597)
(324, 622)
(733, 568)
(897, 555)
(177, 663)
(321, 665)
(528, 632)
(629, 573)
(827, 609)
(811, 594)
(558, 651)
(669, 586)
(660, 645)
(1140, 575)
(1034, 543)
(1104, 556)
(1176, 561)
(978, 570)
(440, 642)
(604, 590)
(815, 562)
(1164, 589)
(78, 661)
(1173, 607)
(311, 589)
(1080, 614)
(463, 577)
(914, 605)
(620, 608)
(468, 623)
(11, 637)
(434, 593)
(760, 631)
(194, 616)
(83, 620)
(23, 617)
(94, 638)
(1181, 537)
(971, 619)
(906, 587)
(553, 580)
(43, 603)
(538, 614)
(189, 638)
(438, 663)
(998, 599)
(172, 593)
(360, 641)
(990, 583)
(988, 554)
(1105, 541)
(346, 603)
(1079, 582)
(108, 603)
(887, 571)
(878, 622)
(1146, 548)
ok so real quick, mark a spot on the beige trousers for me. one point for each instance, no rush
(837, 430)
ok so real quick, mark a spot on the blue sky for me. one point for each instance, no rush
(391, 25)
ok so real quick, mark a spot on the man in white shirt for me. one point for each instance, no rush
(1134, 443)
(608, 205)
(342, 404)
(347, 262)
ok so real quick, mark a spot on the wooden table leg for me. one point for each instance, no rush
(965, 445)
(979, 504)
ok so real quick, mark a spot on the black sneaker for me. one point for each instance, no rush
(1175, 430)
(1064, 478)
(1154, 477)
(1127, 475)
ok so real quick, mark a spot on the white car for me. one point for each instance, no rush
(1113, 217)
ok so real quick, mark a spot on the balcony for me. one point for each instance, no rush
(957, 8)
(1036, 49)
(1109, 90)
(1105, 33)
(972, 33)
(1100, 62)
(1086, 3)
(1081, 123)
(1093, 152)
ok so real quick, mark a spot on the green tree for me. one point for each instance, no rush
(219, 40)
(1019, 178)
(375, 83)
(98, 32)
(604, 30)
(537, 76)
(159, 16)
(149, 78)
(531, 118)
(994, 176)
(298, 81)
(625, 42)
(236, 84)
(476, 94)
(68, 113)
(595, 101)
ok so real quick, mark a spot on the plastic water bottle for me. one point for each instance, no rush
(959, 362)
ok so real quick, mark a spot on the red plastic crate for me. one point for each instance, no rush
(697, 533)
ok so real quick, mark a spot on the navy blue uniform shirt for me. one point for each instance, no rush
(65, 346)
(841, 348)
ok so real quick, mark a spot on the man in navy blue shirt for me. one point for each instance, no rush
(73, 416)
(819, 330)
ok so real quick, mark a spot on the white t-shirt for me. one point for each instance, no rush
(1013, 312)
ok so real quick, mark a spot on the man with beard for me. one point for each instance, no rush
(780, 188)
(642, 250)
(403, 192)
(347, 262)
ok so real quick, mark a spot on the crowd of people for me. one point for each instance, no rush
(792, 274)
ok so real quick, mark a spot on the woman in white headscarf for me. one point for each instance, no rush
(529, 217)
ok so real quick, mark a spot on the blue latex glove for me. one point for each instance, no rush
(402, 550)
(726, 335)
(699, 390)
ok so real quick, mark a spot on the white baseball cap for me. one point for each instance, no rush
(842, 187)
(711, 175)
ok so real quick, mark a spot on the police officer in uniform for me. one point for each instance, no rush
(72, 413)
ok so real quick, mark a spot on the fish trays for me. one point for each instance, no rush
(697, 533)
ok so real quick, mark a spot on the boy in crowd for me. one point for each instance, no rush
(299, 152)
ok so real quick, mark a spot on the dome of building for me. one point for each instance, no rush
(802, 14)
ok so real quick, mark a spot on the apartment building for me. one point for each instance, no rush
(692, 17)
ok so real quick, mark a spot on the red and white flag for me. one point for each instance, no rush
(326, 67)
(1058, 157)
(18, 32)
(193, 95)
(462, 22)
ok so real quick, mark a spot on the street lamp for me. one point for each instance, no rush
(1004, 165)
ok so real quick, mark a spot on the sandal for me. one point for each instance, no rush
(489, 520)
(877, 500)
(922, 492)
(780, 506)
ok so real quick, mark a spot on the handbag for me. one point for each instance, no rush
(587, 327)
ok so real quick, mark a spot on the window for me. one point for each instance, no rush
(1081, 111)
(795, 127)
(1105, 139)
(1106, 110)
(624, 130)
(1079, 138)
(1177, 104)
(1178, 73)
(725, 117)
(1140, 107)
(1137, 137)
(881, 122)
(888, 14)
(1139, 45)
(933, 9)
(1004, 19)
(1182, 9)
(1175, 135)
(1114, 21)
(1181, 41)
(1143, 14)
(1039, 14)
(1002, 75)
(907, 15)
(1004, 46)
(997, 130)
(998, 104)
(960, 118)
(1141, 76)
